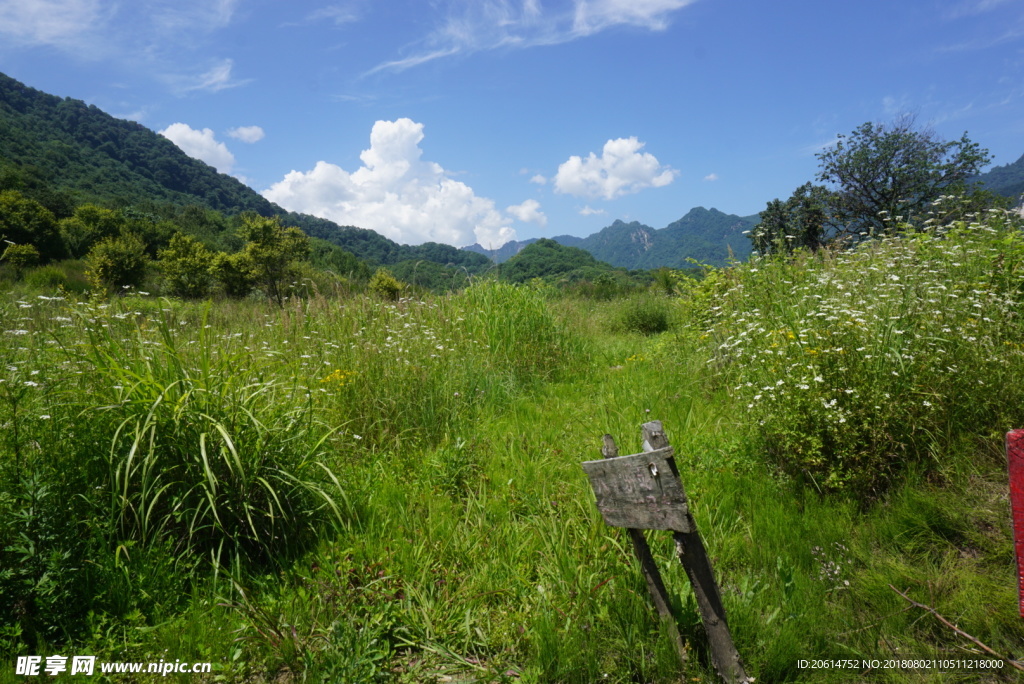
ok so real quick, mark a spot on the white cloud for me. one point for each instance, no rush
(972, 8)
(469, 27)
(64, 24)
(528, 212)
(596, 15)
(711, 177)
(175, 16)
(396, 194)
(247, 134)
(200, 145)
(339, 13)
(216, 79)
(538, 179)
(620, 170)
(587, 211)
(140, 30)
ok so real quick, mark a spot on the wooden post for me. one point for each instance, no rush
(643, 492)
(1015, 464)
(649, 568)
(695, 561)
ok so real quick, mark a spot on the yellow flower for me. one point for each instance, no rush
(342, 377)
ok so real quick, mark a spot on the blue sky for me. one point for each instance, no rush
(467, 121)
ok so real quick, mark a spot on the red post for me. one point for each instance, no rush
(1015, 463)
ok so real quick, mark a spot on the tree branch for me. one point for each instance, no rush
(1013, 663)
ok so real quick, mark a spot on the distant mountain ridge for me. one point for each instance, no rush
(706, 235)
(1006, 180)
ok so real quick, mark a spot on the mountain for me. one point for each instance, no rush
(1006, 180)
(545, 258)
(513, 247)
(707, 235)
(63, 152)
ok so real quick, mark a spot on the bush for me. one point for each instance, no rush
(187, 266)
(117, 262)
(67, 275)
(851, 365)
(385, 285)
(647, 315)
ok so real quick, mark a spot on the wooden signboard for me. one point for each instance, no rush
(642, 491)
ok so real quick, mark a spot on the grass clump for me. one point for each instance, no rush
(646, 314)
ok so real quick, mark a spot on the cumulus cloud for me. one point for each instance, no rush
(247, 134)
(200, 144)
(396, 194)
(711, 177)
(620, 170)
(528, 212)
(538, 179)
(587, 211)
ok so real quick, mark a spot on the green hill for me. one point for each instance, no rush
(1006, 180)
(63, 152)
(550, 260)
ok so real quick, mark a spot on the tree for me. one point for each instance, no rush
(117, 262)
(234, 273)
(20, 257)
(885, 174)
(269, 254)
(804, 220)
(187, 266)
(89, 225)
(385, 285)
(26, 222)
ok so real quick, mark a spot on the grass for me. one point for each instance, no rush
(366, 490)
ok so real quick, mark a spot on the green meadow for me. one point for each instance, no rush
(346, 488)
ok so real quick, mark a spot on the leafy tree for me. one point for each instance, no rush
(26, 222)
(117, 262)
(88, 225)
(884, 174)
(187, 266)
(234, 271)
(385, 285)
(20, 257)
(804, 220)
(271, 251)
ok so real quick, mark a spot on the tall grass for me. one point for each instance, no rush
(397, 483)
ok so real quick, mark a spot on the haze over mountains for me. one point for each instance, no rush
(79, 150)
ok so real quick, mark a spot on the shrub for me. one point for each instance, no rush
(849, 365)
(385, 285)
(187, 266)
(20, 257)
(647, 315)
(117, 262)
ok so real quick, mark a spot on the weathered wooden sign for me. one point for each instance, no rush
(642, 491)
(1015, 464)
